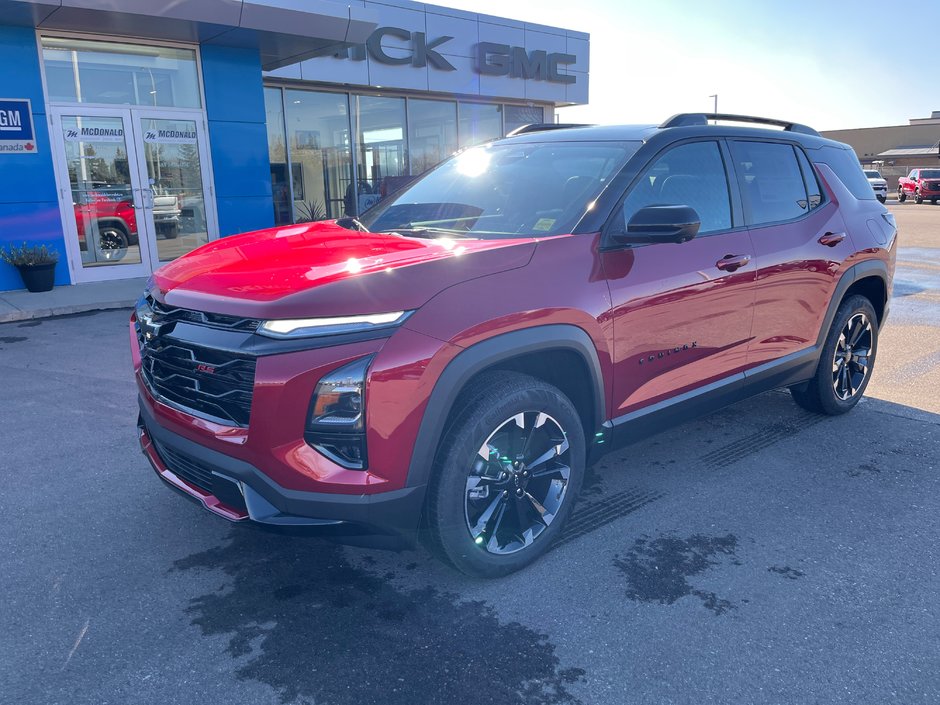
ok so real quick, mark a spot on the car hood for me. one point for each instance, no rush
(321, 269)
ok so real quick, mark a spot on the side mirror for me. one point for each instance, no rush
(656, 224)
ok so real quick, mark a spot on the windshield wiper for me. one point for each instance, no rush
(431, 232)
(351, 224)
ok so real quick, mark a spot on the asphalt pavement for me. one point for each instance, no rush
(759, 555)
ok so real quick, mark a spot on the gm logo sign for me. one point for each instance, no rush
(16, 126)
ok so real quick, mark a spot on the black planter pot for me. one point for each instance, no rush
(40, 277)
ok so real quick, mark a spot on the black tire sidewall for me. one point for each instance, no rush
(457, 456)
(831, 403)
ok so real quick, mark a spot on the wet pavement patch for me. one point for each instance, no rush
(658, 570)
(786, 571)
(305, 621)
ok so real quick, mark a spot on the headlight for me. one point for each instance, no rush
(309, 327)
(336, 423)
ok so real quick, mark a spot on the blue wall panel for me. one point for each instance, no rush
(238, 139)
(29, 209)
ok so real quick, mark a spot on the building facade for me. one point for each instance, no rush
(130, 136)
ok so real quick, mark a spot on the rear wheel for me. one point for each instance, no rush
(933, 201)
(846, 362)
(506, 475)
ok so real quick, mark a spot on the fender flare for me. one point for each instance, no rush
(862, 270)
(485, 354)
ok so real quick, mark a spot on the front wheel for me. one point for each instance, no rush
(881, 199)
(846, 361)
(901, 196)
(506, 475)
(918, 198)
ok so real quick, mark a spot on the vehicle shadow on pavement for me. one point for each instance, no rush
(305, 621)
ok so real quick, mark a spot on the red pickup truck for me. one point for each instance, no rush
(921, 184)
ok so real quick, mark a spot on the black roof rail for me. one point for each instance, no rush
(544, 127)
(689, 119)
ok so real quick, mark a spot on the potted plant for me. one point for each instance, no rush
(36, 264)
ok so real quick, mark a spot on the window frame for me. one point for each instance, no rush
(615, 221)
(745, 207)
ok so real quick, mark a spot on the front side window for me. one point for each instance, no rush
(771, 182)
(688, 175)
(505, 190)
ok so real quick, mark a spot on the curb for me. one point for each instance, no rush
(31, 314)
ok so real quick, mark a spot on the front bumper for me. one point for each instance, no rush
(239, 492)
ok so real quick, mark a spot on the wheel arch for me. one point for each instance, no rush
(536, 351)
(868, 278)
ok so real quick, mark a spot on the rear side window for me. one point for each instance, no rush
(813, 188)
(849, 170)
(772, 184)
(691, 174)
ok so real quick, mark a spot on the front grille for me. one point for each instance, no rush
(171, 314)
(211, 382)
(186, 467)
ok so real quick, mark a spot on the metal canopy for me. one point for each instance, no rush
(283, 31)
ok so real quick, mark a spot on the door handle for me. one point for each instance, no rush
(730, 263)
(831, 239)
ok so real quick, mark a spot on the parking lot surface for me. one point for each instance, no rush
(759, 555)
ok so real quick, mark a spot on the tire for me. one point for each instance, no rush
(918, 199)
(881, 199)
(172, 232)
(933, 201)
(489, 517)
(901, 196)
(832, 391)
(112, 243)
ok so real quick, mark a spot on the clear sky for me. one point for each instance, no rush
(828, 63)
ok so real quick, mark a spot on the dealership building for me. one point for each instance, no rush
(132, 132)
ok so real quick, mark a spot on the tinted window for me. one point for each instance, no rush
(688, 175)
(811, 180)
(771, 181)
(847, 167)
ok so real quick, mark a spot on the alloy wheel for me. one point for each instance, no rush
(518, 483)
(850, 362)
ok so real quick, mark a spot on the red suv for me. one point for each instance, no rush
(454, 359)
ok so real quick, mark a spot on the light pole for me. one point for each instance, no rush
(716, 103)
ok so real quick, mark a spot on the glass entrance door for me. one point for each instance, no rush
(133, 189)
(101, 196)
(173, 169)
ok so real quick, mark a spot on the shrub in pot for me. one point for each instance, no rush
(36, 264)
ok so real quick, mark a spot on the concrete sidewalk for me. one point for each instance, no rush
(22, 305)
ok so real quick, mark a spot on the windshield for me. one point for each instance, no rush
(930, 173)
(872, 174)
(504, 190)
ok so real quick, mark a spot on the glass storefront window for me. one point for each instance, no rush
(381, 150)
(519, 115)
(320, 156)
(277, 154)
(87, 71)
(480, 122)
(432, 132)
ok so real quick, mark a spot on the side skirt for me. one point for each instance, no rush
(635, 426)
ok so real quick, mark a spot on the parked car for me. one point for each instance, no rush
(921, 185)
(454, 360)
(166, 214)
(878, 184)
(105, 215)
